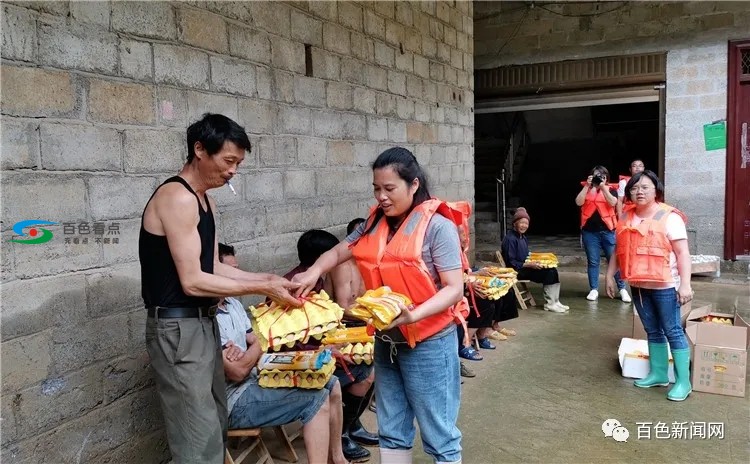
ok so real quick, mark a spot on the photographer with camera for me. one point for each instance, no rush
(597, 200)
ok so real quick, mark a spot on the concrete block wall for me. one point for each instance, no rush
(96, 97)
(694, 35)
(695, 179)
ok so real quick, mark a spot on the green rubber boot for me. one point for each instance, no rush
(658, 361)
(682, 387)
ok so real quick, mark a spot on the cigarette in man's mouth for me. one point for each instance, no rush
(231, 188)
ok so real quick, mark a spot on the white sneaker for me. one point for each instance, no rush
(560, 305)
(625, 296)
(593, 295)
(554, 308)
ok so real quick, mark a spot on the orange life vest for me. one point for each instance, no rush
(643, 251)
(595, 201)
(399, 264)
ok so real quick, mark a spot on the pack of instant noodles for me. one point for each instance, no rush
(296, 369)
(545, 260)
(379, 307)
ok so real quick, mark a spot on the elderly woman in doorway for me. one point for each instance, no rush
(597, 200)
(652, 255)
(515, 250)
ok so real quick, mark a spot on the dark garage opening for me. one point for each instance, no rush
(554, 150)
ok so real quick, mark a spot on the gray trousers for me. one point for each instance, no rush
(188, 369)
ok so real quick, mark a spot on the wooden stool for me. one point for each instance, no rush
(523, 295)
(286, 440)
(243, 442)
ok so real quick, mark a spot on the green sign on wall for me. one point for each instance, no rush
(715, 135)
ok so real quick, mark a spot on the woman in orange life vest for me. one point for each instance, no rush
(597, 200)
(414, 249)
(652, 255)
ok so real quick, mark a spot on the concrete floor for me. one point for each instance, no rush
(542, 396)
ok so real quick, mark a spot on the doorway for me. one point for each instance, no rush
(566, 143)
(737, 214)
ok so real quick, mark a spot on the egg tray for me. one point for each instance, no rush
(358, 353)
(307, 379)
(278, 326)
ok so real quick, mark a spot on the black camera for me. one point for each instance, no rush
(596, 180)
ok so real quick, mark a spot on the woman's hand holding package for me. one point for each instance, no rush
(407, 316)
(306, 281)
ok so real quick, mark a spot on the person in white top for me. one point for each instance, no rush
(652, 255)
(636, 166)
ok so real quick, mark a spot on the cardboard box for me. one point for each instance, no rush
(640, 333)
(719, 353)
(633, 356)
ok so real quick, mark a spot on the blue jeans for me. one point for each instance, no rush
(659, 311)
(423, 382)
(594, 243)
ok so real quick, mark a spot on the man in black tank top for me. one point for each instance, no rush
(182, 281)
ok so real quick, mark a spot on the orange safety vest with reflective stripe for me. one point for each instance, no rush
(399, 264)
(595, 201)
(643, 251)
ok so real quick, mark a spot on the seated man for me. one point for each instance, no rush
(251, 406)
(343, 284)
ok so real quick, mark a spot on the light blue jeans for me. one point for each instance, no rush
(659, 311)
(594, 243)
(423, 382)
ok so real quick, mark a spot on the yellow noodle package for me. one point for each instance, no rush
(545, 260)
(348, 335)
(488, 287)
(277, 326)
(491, 282)
(379, 307)
(495, 271)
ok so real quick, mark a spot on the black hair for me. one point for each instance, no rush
(225, 250)
(212, 131)
(636, 159)
(314, 243)
(654, 178)
(353, 225)
(602, 170)
(407, 167)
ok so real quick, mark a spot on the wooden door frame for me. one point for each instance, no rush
(733, 80)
